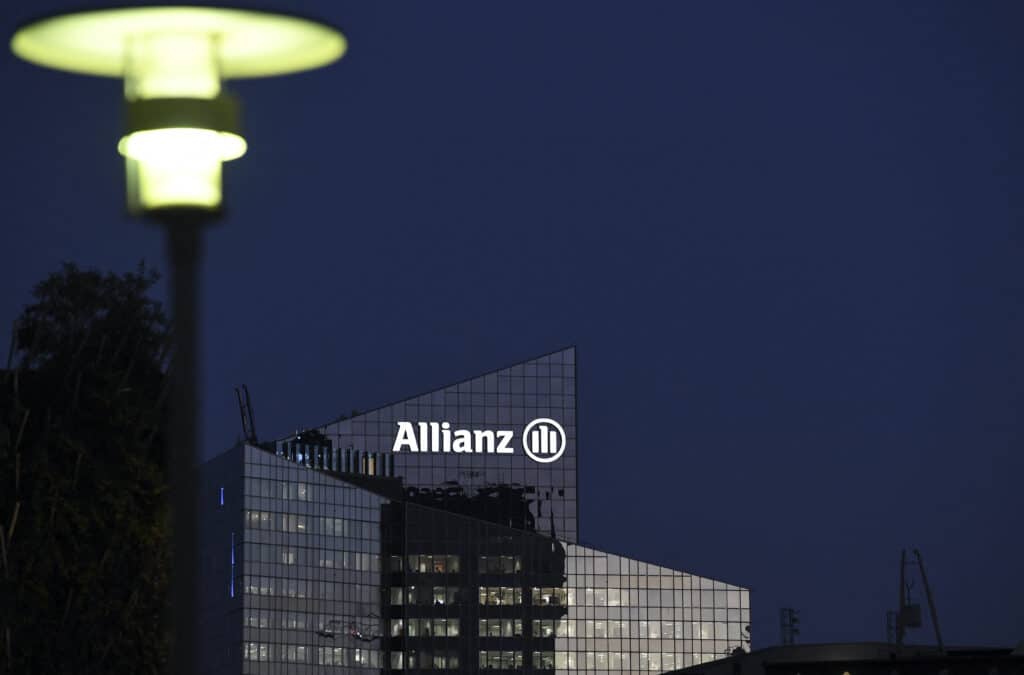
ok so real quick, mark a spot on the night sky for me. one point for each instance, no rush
(785, 238)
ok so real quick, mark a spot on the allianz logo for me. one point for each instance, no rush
(543, 439)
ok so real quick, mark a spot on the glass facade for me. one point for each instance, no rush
(629, 615)
(304, 575)
(521, 600)
(327, 553)
(508, 398)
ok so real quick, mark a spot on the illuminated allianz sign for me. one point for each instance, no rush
(543, 439)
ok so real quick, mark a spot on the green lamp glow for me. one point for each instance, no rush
(181, 126)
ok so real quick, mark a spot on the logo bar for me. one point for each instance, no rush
(543, 439)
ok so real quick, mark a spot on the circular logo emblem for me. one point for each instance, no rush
(544, 440)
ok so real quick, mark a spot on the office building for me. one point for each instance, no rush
(330, 552)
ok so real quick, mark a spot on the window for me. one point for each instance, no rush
(256, 651)
(500, 564)
(500, 660)
(426, 627)
(332, 656)
(551, 596)
(259, 519)
(255, 618)
(294, 653)
(504, 628)
(428, 595)
(432, 564)
(500, 595)
(334, 527)
(544, 660)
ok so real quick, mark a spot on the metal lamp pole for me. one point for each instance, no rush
(184, 244)
(181, 128)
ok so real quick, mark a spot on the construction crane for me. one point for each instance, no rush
(248, 420)
(909, 613)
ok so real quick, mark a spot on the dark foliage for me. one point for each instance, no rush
(83, 521)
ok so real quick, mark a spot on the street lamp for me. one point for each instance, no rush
(180, 129)
(180, 125)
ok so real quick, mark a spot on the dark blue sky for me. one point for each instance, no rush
(786, 238)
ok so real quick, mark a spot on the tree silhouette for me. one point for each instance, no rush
(83, 520)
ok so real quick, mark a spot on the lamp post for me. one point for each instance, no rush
(180, 129)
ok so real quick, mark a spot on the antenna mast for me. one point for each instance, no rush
(789, 625)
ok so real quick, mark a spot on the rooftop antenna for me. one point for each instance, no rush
(789, 625)
(909, 613)
(891, 620)
(245, 409)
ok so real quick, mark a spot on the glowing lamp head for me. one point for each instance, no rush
(181, 126)
(177, 166)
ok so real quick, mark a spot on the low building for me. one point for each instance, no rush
(866, 658)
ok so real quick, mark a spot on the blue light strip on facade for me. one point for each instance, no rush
(232, 583)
